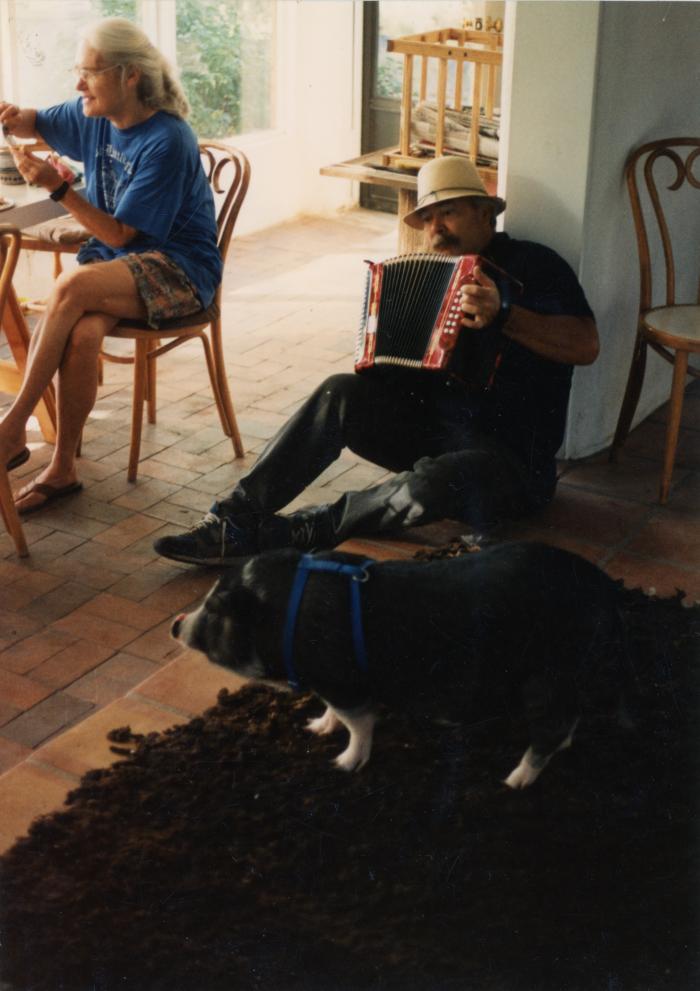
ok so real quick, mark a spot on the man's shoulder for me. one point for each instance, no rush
(550, 285)
(505, 245)
(530, 261)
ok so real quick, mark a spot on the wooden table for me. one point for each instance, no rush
(368, 168)
(32, 206)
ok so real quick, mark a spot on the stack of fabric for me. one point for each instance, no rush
(458, 126)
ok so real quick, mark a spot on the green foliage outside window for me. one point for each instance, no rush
(224, 56)
(389, 75)
(224, 53)
(115, 8)
(209, 57)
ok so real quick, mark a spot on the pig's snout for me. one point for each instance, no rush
(175, 628)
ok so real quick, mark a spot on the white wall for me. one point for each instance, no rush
(589, 81)
(647, 86)
(549, 102)
(318, 115)
(550, 66)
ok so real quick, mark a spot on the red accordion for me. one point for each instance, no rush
(412, 314)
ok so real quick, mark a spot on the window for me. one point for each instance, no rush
(398, 19)
(224, 56)
(224, 52)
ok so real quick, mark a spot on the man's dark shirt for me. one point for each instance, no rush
(527, 403)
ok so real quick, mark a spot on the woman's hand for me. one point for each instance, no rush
(18, 123)
(10, 117)
(37, 171)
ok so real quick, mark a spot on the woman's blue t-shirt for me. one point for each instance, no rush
(150, 177)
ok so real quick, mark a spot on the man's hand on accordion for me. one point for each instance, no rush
(481, 301)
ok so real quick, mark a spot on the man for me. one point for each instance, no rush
(473, 454)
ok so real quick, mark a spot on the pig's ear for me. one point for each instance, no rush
(235, 601)
(216, 600)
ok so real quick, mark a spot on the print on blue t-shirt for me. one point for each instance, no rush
(113, 183)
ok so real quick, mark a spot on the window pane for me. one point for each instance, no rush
(46, 33)
(398, 19)
(225, 54)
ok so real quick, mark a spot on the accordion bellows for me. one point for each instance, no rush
(412, 317)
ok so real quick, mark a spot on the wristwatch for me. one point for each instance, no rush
(59, 193)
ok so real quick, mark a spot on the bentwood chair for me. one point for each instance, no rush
(673, 329)
(228, 172)
(9, 253)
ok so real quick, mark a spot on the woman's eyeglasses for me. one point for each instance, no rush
(87, 75)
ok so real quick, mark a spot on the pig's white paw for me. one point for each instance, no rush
(526, 772)
(351, 759)
(325, 724)
(360, 726)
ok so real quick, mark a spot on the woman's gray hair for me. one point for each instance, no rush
(121, 42)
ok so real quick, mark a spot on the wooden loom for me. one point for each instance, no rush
(484, 49)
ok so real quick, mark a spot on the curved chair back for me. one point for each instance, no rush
(671, 329)
(228, 172)
(683, 153)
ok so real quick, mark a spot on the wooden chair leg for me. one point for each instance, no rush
(10, 515)
(222, 381)
(140, 379)
(633, 391)
(680, 370)
(15, 328)
(222, 399)
(151, 381)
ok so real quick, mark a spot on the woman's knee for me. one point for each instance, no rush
(77, 288)
(88, 333)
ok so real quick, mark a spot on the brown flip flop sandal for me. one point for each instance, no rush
(50, 493)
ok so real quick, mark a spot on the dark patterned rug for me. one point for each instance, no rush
(228, 853)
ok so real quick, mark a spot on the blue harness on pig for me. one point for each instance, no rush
(357, 574)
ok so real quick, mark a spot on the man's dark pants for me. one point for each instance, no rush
(415, 424)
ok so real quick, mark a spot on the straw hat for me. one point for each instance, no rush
(448, 178)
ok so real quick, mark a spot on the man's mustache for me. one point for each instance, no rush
(444, 241)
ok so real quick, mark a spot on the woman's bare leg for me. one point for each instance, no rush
(89, 300)
(77, 389)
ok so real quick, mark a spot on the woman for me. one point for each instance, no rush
(149, 210)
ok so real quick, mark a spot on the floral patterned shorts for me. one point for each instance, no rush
(163, 286)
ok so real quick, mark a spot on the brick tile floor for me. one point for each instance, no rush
(84, 622)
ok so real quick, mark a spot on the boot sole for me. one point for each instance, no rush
(184, 559)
